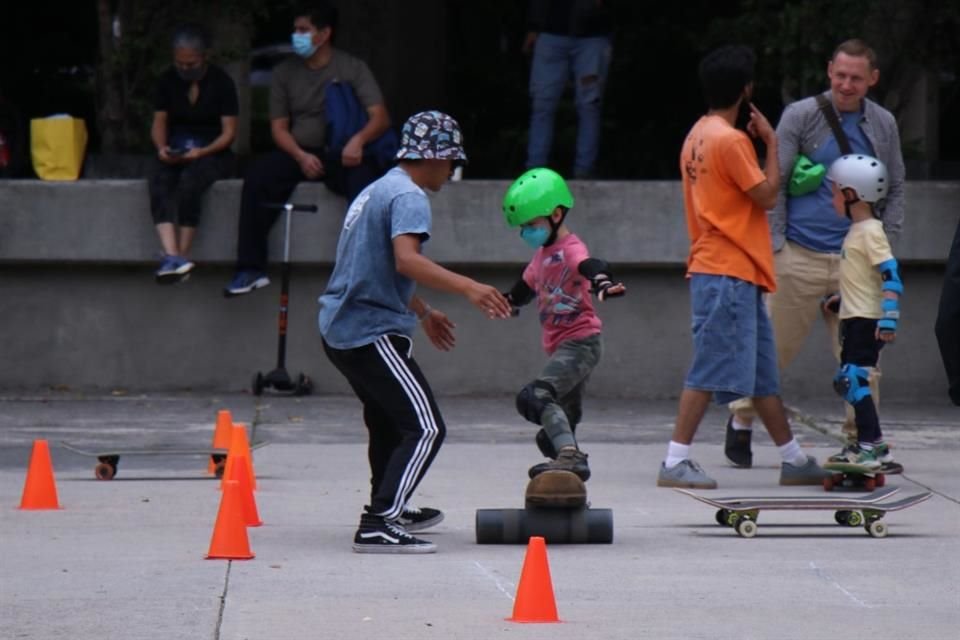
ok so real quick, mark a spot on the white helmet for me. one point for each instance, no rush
(864, 174)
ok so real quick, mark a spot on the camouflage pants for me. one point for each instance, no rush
(567, 372)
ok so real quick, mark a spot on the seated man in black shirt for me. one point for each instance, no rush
(194, 124)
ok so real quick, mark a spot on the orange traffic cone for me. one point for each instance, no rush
(239, 446)
(229, 540)
(221, 436)
(40, 488)
(241, 474)
(534, 601)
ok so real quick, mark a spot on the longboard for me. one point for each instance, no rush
(556, 509)
(108, 459)
(867, 512)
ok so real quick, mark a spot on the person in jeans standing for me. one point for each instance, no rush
(570, 39)
(725, 194)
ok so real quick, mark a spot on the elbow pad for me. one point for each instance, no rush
(599, 274)
(890, 272)
(520, 294)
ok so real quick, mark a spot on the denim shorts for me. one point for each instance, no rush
(733, 350)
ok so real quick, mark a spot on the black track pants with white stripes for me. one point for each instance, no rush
(402, 418)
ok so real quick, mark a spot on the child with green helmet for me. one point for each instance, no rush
(560, 276)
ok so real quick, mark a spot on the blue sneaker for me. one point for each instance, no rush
(173, 269)
(245, 281)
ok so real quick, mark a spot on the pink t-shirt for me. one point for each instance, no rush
(563, 295)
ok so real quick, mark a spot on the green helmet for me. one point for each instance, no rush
(535, 194)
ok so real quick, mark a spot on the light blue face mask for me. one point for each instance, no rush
(534, 236)
(303, 44)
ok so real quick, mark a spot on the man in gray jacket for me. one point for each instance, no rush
(807, 233)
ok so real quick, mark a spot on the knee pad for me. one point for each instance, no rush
(530, 405)
(852, 383)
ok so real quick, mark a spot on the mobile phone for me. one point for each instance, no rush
(179, 151)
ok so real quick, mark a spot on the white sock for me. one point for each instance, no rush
(791, 453)
(676, 453)
(740, 426)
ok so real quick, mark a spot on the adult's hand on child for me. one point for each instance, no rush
(439, 329)
(830, 303)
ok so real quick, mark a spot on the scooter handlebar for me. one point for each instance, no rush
(304, 208)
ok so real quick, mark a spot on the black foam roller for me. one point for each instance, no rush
(556, 526)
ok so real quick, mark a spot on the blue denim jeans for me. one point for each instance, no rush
(557, 59)
(733, 350)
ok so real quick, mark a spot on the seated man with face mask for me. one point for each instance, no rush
(299, 129)
(194, 124)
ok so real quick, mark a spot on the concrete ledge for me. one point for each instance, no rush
(636, 223)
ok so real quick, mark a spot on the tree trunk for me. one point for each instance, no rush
(109, 90)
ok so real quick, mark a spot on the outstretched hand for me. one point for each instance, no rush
(489, 300)
(439, 328)
(610, 290)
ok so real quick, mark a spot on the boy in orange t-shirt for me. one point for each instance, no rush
(730, 266)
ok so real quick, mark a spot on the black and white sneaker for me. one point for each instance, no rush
(414, 519)
(377, 535)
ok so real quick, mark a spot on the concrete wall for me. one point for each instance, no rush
(80, 309)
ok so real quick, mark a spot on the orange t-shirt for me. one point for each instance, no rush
(729, 233)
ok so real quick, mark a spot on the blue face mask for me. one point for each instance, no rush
(534, 236)
(303, 44)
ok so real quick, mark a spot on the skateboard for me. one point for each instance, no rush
(556, 508)
(108, 459)
(852, 476)
(868, 511)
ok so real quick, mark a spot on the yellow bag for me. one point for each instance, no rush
(57, 146)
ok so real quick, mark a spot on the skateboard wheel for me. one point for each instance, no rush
(854, 518)
(722, 517)
(746, 528)
(881, 480)
(104, 471)
(556, 526)
(870, 484)
(842, 517)
(828, 483)
(877, 529)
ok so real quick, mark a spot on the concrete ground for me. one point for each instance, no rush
(125, 558)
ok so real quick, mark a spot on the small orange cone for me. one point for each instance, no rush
(229, 540)
(239, 446)
(221, 436)
(241, 474)
(40, 488)
(534, 601)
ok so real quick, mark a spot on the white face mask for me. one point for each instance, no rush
(303, 44)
